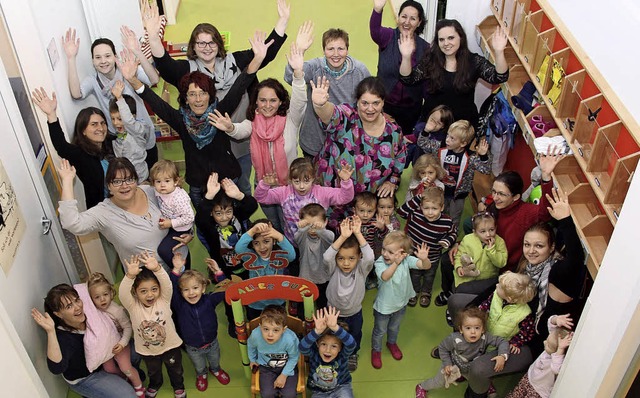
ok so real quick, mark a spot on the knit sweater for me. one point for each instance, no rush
(327, 376)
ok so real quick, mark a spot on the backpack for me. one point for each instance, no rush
(497, 118)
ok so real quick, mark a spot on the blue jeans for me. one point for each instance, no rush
(200, 357)
(243, 183)
(386, 323)
(355, 327)
(342, 391)
(101, 384)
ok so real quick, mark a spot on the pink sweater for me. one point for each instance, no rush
(543, 372)
(292, 202)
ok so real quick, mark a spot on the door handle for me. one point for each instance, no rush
(46, 225)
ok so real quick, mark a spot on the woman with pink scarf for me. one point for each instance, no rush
(272, 122)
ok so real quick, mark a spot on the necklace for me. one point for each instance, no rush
(334, 73)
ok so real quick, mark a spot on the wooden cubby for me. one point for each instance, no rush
(602, 134)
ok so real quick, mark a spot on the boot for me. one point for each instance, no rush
(524, 98)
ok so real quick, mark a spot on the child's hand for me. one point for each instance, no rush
(563, 321)
(150, 261)
(513, 349)
(217, 120)
(481, 207)
(270, 179)
(303, 223)
(117, 89)
(499, 359)
(178, 263)
(66, 171)
(133, 266)
(356, 225)
(444, 244)
(460, 272)
(212, 265)
(346, 227)
(345, 172)
(280, 381)
(380, 222)
(447, 370)
(231, 189)
(491, 243)
(258, 229)
(563, 342)
(423, 252)
(164, 223)
(483, 147)
(117, 348)
(213, 186)
(44, 321)
(320, 321)
(274, 234)
(331, 315)
(254, 367)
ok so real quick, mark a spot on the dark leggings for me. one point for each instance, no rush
(172, 360)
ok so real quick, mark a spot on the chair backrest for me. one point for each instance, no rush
(296, 325)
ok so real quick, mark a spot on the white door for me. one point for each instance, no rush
(39, 259)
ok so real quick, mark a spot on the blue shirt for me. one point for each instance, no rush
(281, 354)
(327, 376)
(395, 293)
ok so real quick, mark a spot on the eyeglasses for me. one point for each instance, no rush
(197, 94)
(205, 44)
(119, 181)
(500, 194)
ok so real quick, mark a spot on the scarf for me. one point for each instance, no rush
(267, 147)
(540, 276)
(198, 127)
(336, 73)
(106, 84)
(225, 73)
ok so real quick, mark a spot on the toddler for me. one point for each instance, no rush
(146, 293)
(386, 219)
(349, 260)
(261, 259)
(313, 239)
(273, 348)
(427, 224)
(303, 190)
(328, 347)
(486, 250)
(427, 172)
(365, 205)
(175, 206)
(460, 348)
(429, 136)
(394, 291)
(102, 292)
(539, 380)
(195, 313)
(131, 134)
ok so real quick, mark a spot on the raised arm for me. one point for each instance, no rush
(151, 21)
(71, 44)
(54, 353)
(320, 100)
(380, 35)
(132, 44)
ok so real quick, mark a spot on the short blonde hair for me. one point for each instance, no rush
(425, 161)
(98, 278)
(166, 167)
(400, 238)
(518, 288)
(193, 274)
(432, 194)
(463, 130)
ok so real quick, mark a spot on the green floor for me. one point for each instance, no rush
(422, 329)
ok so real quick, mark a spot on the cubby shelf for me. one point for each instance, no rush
(599, 130)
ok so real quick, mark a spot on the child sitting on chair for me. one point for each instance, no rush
(273, 348)
(328, 347)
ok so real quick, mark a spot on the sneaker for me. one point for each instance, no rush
(376, 359)
(395, 351)
(222, 376)
(425, 300)
(442, 299)
(447, 316)
(150, 393)
(201, 382)
(353, 362)
(435, 353)
(421, 392)
(413, 301)
(180, 394)
(139, 391)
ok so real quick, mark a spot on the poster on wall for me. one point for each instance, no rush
(12, 225)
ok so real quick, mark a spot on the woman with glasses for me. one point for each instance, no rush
(206, 53)
(128, 218)
(362, 136)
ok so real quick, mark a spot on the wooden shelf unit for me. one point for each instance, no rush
(602, 134)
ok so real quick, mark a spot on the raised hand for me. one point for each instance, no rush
(406, 45)
(483, 147)
(549, 161)
(41, 99)
(295, 58)
(213, 186)
(499, 39)
(217, 120)
(44, 321)
(150, 17)
(378, 5)
(563, 321)
(356, 224)
(130, 40)
(178, 263)
(345, 172)
(380, 222)
(128, 64)
(132, 266)
(423, 252)
(117, 89)
(305, 36)
(331, 315)
(270, 179)
(319, 321)
(66, 171)
(258, 45)
(559, 208)
(70, 43)
(150, 261)
(564, 342)
(346, 227)
(212, 265)
(320, 91)
(259, 228)
(231, 189)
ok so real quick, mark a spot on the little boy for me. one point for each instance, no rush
(132, 135)
(328, 346)
(394, 291)
(349, 259)
(461, 164)
(427, 224)
(313, 239)
(273, 348)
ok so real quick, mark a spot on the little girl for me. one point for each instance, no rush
(394, 291)
(301, 191)
(175, 205)
(196, 317)
(460, 348)
(146, 293)
(539, 380)
(429, 136)
(262, 258)
(427, 172)
(102, 293)
(487, 251)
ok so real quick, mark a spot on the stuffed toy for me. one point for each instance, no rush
(453, 376)
(468, 267)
